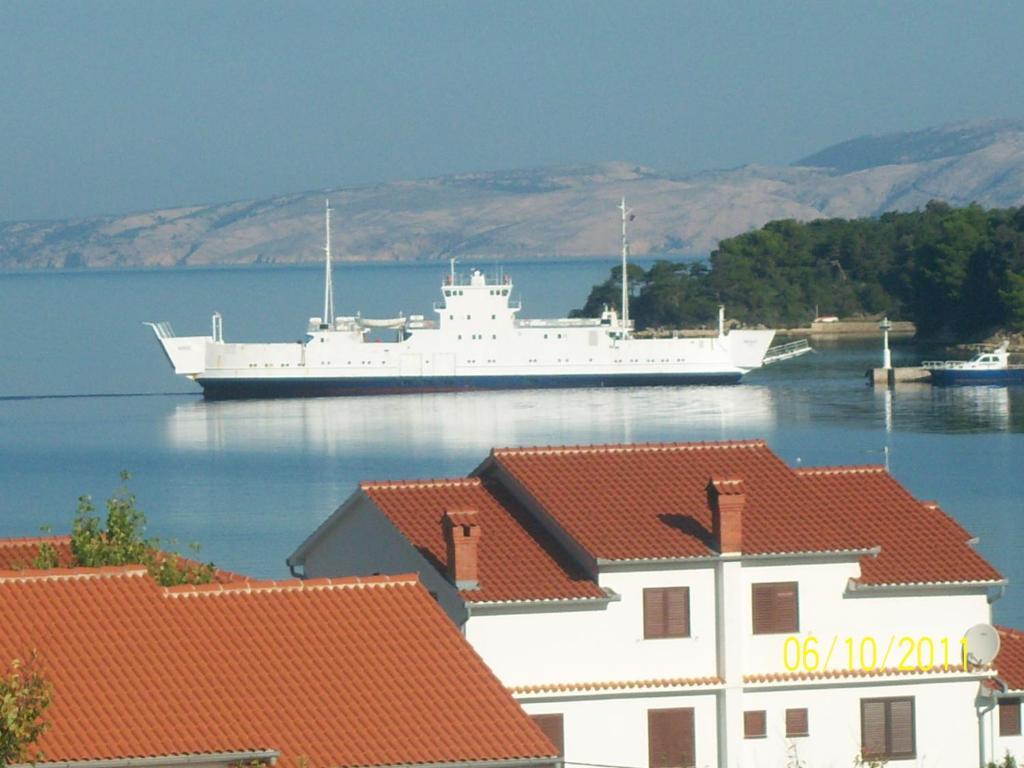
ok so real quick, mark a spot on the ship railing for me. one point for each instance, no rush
(562, 322)
(162, 329)
(786, 351)
(944, 364)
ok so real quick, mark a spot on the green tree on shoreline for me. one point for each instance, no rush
(955, 272)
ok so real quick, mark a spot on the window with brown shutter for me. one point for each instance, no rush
(670, 738)
(666, 612)
(796, 723)
(1009, 717)
(887, 728)
(551, 726)
(775, 608)
(755, 724)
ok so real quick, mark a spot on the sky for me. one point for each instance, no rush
(114, 107)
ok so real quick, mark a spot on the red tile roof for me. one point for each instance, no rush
(636, 502)
(20, 554)
(518, 559)
(920, 544)
(351, 672)
(1010, 659)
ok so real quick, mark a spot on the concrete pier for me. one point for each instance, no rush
(890, 377)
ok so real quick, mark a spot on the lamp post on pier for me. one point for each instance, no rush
(885, 327)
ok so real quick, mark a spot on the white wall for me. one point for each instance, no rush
(559, 646)
(613, 730)
(946, 726)
(1003, 744)
(828, 613)
(363, 541)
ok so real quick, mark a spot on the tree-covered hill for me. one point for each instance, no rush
(955, 272)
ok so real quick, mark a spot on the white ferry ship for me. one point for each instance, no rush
(476, 341)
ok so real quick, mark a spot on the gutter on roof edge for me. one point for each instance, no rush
(203, 758)
(855, 586)
(521, 762)
(828, 554)
(528, 605)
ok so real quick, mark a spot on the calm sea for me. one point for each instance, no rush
(251, 479)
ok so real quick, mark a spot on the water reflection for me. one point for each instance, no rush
(926, 408)
(473, 421)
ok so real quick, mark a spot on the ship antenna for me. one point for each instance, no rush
(451, 264)
(328, 287)
(627, 215)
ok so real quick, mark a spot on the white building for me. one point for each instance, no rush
(667, 605)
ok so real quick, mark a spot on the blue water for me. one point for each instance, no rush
(249, 480)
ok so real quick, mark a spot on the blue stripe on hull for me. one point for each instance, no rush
(954, 377)
(233, 389)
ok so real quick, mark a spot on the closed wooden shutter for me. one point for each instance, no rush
(755, 724)
(887, 728)
(787, 617)
(1009, 717)
(901, 728)
(775, 608)
(796, 722)
(552, 727)
(667, 612)
(872, 728)
(670, 738)
(761, 607)
(654, 613)
(677, 612)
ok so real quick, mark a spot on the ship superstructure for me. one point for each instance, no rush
(475, 341)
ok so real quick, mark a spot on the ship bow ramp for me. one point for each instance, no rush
(187, 354)
(747, 349)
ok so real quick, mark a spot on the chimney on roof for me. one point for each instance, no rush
(462, 538)
(726, 500)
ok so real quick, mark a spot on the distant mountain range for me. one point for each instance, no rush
(548, 212)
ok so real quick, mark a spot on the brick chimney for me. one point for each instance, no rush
(726, 500)
(462, 538)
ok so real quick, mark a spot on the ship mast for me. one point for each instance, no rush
(328, 319)
(627, 215)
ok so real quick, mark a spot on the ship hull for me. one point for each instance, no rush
(955, 377)
(266, 388)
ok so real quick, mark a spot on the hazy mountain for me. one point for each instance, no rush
(547, 212)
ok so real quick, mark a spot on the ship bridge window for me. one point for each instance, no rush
(451, 317)
(469, 317)
(494, 317)
(504, 292)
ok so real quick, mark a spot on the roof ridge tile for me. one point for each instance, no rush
(293, 585)
(840, 469)
(430, 482)
(631, 447)
(53, 574)
(20, 541)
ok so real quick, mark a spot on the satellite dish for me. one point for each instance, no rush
(982, 642)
